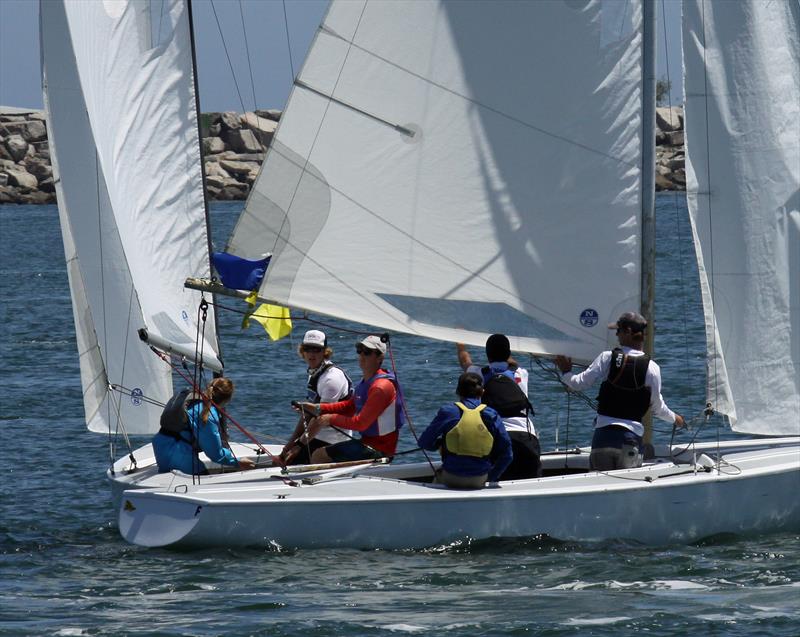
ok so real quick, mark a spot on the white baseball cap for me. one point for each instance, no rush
(315, 337)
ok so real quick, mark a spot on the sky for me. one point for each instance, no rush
(265, 37)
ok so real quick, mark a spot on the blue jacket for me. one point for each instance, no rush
(447, 418)
(172, 453)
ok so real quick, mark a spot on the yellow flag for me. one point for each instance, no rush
(274, 319)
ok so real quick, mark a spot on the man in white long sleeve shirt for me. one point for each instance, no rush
(631, 385)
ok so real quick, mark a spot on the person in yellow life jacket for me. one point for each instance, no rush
(474, 443)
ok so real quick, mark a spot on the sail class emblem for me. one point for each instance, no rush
(589, 317)
(129, 506)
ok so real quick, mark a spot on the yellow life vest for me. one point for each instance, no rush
(469, 437)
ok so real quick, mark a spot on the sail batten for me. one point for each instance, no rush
(742, 87)
(481, 221)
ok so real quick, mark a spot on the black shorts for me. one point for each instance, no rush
(526, 462)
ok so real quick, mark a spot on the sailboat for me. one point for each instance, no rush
(449, 170)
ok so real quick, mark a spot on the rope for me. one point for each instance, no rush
(247, 51)
(230, 64)
(385, 337)
(288, 42)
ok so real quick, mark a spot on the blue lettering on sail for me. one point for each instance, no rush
(136, 396)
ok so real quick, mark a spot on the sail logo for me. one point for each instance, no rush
(136, 396)
(185, 316)
(589, 317)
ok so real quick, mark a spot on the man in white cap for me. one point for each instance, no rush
(631, 386)
(327, 383)
(375, 411)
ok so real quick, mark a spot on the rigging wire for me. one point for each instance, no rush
(247, 51)
(288, 42)
(227, 55)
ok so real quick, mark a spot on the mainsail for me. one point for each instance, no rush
(742, 87)
(434, 173)
(124, 140)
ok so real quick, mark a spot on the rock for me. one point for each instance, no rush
(662, 183)
(263, 129)
(47, 185)
(213, 145)
(230, 121)
(22, 178)
(675, 138)
(215, 181)
(272, 114)
(17, 147)
(213, 168)
(669, 119)
(7, 195)
(39, 168)
(239, 167)
(33, 131)
(3, 179)
(257, 157)
(215, 130)
(242, 140)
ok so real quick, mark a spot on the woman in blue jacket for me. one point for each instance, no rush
(179, 451)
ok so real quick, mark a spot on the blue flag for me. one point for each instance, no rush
(237, 273)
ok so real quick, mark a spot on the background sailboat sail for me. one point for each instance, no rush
(742, 87)
(123, 135)
(433, 173)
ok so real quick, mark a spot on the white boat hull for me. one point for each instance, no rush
(753, 492)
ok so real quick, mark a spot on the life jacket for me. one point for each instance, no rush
(313, 382)
(174, 419)
(470, 436)
(502, 393)
(623, 393)
(392, 417)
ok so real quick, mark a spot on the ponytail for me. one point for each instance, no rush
(219, 391)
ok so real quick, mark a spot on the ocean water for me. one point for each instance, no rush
(64, 570)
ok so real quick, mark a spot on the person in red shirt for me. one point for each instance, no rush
(374, 411)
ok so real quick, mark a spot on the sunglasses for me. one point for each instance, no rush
(314, 349)
(366, 351)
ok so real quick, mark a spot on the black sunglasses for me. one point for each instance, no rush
(366, 351)
(312, 348)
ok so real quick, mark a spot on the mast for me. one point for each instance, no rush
(648, 183)
(203, 169)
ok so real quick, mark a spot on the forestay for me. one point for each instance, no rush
(742, 87)
(434, 174)
(123, 131)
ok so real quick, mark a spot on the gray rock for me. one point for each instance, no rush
(213, 145)
(214, 130)
(257, 157)
(238, 167)
(20, 177)
(675, 138)
(17, 147)
(263, 128)
(47, 185)
(271, 113)
(242, 140)
(230, 121)
(207, 120)
(33, 131)
(38, 168)
(213, 168)
(3, 179)
(669, 119)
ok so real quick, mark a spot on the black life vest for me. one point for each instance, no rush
(623, 393)
(502, 393)
(312, 395)
(174, 419)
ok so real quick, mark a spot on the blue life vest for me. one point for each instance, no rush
(386, 422)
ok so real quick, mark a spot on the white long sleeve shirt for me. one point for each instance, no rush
(598, 370)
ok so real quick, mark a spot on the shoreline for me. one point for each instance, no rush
(233, 146)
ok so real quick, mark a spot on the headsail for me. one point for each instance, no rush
(435, 174)
(742, 87)
(124, 141)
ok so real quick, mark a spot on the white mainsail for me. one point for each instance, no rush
(124, 140)
(742, 87)
(434, 174)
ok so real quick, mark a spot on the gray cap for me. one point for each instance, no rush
(633, 320)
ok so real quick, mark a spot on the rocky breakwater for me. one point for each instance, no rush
(670, 151)
(233, 150)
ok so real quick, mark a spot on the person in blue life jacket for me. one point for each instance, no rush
(202, 430)
(631, 386)
(327, 383)
(505, 389)
(474, 443)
